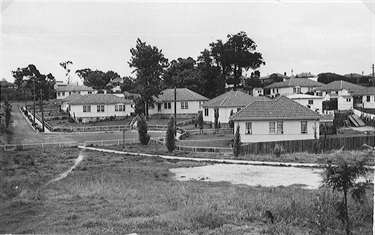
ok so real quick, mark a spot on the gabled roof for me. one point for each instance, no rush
(182, 94)
(72, 97)
(364, 91)
(100, 99)
(281, 108)
(293, 82)
(339, 85)
(232, 99)
(72, 87)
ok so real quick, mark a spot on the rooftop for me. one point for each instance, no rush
(281, 108)
(339, 85)
(233, 99)
(293, 82)
(364, 91)
(72, 87)
(182, 94)
(100, 99)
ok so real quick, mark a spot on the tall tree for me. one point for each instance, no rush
(237, 142)
(236, 55)
(7, 108)
(97, 79)
(83, 73)
(66, 65)
(142, 127)
(169, 135)
(129, 84)
(149, 64)
(200, 122)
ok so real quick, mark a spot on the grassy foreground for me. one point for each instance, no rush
(120, 194)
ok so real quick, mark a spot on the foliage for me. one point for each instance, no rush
(129, 84)
(139, 107)
(170, 135)
(143, 136)
(99, 80)
(278, 150)
(200, 121)
(83, 73)
(216, 116)
(25, 78)
(342, 176)
(237, 142)
(149, 64)
(7, 111)
(330, 77)
(65, 65)
(231, 122)
(236, 55)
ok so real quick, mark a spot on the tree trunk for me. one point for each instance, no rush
(146, 111)
(346, 213)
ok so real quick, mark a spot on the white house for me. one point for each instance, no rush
(188, 103)
(276, 119)
(292, 86)
(366, 97)
(310, 101)
(94, 107)
(65, 90)
(258, 91)
(65, 102)
(225, 104)
(339, 91)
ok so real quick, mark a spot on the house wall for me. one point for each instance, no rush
(224, 114)
(318, 104)
(344, 103)
(288, 90)
(63, 94)
(370, 104)
(258, 92)
(109, 110)
(292, 131)
(193, 108)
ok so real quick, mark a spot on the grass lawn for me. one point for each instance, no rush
(119, 194)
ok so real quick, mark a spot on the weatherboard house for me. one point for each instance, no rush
(65, 90)
(95, 107)
(276, 119)
(365, 97)
(225, 104)
(188, 103)
(292, 86)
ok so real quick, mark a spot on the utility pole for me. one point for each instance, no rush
(41, 108)
(175, 111)
(373, 76)
(34, 100)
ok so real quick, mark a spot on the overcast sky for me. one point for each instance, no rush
(306, 36)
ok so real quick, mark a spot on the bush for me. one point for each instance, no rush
(143, 136)
(237, 142)
(170, 135)
(71, 120)
(278, 150)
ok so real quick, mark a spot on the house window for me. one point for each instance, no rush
(58, 93)
(303, 127)
(70, 93)
(368, 98)
(297, 89)
(90, 92)
(86, 108)
(119, 107)
(184, 105)
(280, 128)
(348, 100)
(63, 94)
(272, 128)
(200, 105)
(100, 108)
(167, 105)
(206, 112)
(310, 101)
(238, 109)
(79, 92)
(249, 128)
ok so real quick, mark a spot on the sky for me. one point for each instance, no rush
(304, 36)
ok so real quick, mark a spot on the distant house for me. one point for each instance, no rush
(65, 102)
(116, 81)
(340, 92)
(365, 97)
(95, 107)
(258, 91)
(276, 119)
(292, 86)
(310, 101)
(307, 75)
(189, 103)
(4, 84)
(65, 90)
(231, 101)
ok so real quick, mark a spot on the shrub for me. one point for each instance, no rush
(71, 120)
(278, 150)
(237, 142)
(170, 135)
(143, 136)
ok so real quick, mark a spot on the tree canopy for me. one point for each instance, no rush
(97, 79)
(65, 66)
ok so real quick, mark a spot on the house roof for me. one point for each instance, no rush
(232, 99)
(364, 91)
(281, 108)
(293, 82)
(339, 85)
(72, 97)
(303, 96)
(72, 87)
(99, 99)
(182, 94)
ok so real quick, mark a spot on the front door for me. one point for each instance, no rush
(159, 107)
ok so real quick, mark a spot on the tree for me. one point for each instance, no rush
(169, 135)
(342, 176)
(65, 65)
(330, 77)
(7, 108)
(216, 115)
(149, 63)
(237, 142)
(83, 73)
(231, 122)
(129, 84)
(200, 122)
(236, 55)
(142, 127)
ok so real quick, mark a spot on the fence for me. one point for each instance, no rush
(19, 147)
(349, 143)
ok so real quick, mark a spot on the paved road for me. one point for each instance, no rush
(23, 133)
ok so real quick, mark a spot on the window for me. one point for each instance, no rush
(58, 93)
(200, 105)
(310, 101)
(63, 94)
(79, 92)
(90, 92)
(280, 128)
(272, 127)
(303, 127)
(368, 98)
(70, 93)
(249, 128)
(116, 108)
(297, 89)
(348, 100)
(206, 112)
(167, 105)
(184, 105)
(119, 107)
(86, 108)
(238, 109)
(100, 108)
